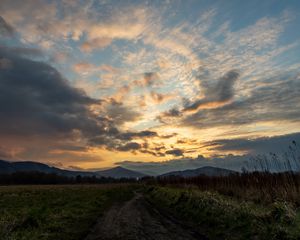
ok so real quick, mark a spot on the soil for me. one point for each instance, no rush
(139, 220)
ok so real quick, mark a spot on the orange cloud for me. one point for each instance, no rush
(99, 43)
(159, 97)
(88, 68)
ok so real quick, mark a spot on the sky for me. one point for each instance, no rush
(149, 85)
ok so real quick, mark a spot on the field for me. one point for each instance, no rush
(223, 217)
(167, 209)
(55, 212)
(258, 204)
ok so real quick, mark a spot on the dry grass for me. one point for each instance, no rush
(55, 212)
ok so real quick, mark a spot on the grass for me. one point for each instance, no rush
(259, 187)
(69, 211)
(223, 217)
(265, 179)
(55, 212)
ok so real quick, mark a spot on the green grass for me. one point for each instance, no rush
(55, 212)
(222, 217)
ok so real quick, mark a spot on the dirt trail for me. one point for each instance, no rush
(138, 220)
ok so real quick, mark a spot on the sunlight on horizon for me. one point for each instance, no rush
(109, 83)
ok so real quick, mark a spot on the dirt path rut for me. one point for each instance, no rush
(137, 220)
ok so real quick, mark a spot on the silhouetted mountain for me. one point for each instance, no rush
(120, 172)
(207, 171)
(7, 167)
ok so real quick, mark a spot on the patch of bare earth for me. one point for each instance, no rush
(138, 220)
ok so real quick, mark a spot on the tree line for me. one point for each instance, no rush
(34, 177)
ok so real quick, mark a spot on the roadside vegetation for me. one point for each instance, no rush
(222, 217)
(258, 187)
(262, 202)
(55, 212)
(264, 180)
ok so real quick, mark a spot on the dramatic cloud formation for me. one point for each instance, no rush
(120, 114)
(37, 100)
(5, 28)
(262, 145)
(274, 100)
(131, 135)
(175, 152)
(90, 83)
(129, 146)
(216, 95)
(278, 145)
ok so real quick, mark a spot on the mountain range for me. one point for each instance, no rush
(207, 171)
(7, 167)
(120, 172)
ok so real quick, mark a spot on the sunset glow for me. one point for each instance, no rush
(94, 84)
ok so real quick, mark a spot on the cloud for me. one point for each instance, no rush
(33, 19)
(154, 55)
(160, 97)
(131, 146)
(120, 26)
(25, 52)
(100, 36)
(5, 63)
(157, 97)
(169, 135)
(121, 94)
(142, 134)
(115, 140)
(217, 95)
(36, 99)
(5, 28)
(175, 152)
(174, 112)
(5, 153)
(121, 114)
(109, 68)
(97, 43)
(171, 116)
(261, 145)
(252, 150)
(52, 23)
(269, 101)
(84, 67)
(150, 78)
(71, 148)
(74, 168)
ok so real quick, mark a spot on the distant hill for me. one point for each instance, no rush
(207, 171)
(120, 172)
(7, 167)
